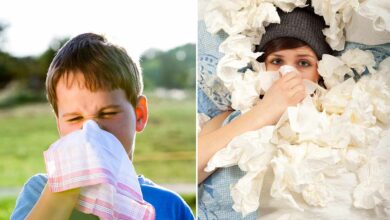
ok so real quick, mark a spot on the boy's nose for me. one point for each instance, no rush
(100, 124)
(96, 121)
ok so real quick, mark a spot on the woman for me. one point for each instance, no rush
(297, 41)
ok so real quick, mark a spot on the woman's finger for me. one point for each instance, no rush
(293, 83)
(296, 94)
(289, 76)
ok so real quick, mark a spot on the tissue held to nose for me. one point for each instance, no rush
(286, 69)
(310, 86)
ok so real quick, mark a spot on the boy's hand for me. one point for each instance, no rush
(289, 90)
(58, 205)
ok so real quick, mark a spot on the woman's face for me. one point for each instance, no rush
(302, 58)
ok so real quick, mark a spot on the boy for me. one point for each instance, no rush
(91, 78)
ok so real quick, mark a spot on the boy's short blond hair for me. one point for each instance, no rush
(104, 66)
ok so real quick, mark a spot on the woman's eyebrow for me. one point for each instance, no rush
(306, 55)
(276, 55)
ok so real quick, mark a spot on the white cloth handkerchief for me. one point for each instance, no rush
(95, 161)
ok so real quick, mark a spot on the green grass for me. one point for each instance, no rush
(26, 131)
(24, 138)
(6, 206)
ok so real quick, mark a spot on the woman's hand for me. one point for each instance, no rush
(289, 90)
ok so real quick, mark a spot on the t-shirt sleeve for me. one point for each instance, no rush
(168, 205)
(182, 210)
(29, 195)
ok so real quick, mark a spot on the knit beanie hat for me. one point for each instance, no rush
(302, 24)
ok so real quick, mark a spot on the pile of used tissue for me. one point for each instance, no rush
(329, 156)
(332, 150)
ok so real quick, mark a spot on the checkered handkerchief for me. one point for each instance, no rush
(95, 161)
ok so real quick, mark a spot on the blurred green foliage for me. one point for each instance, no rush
(16, 94)
(171, 69)
(168, 69)
(30, 70)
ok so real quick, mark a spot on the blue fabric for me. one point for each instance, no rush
(214, 200)
(213, 96)
(168, 205)
(206, 106)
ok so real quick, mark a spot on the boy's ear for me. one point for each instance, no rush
(58, 124)
(141, 113)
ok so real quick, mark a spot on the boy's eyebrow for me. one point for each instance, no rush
(110, 106)
(70, 114)
(101, 109)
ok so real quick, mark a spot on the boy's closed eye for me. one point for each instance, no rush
(75, 119)
(108, 114)
(101, 115)
(104, 113)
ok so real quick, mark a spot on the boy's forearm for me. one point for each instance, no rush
(57, 205)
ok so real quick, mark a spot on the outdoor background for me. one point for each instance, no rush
(165, 151)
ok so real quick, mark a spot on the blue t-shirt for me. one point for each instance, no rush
(168, 204)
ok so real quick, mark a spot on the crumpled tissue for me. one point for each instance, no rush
(248, 19)
(236, 17)
(245, 22)
(313, 143)
(336, 13)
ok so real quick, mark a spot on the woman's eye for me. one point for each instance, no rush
(107, 114)
(75, 119)
(304, 63)
(277, 61)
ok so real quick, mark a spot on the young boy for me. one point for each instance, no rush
(91, 78)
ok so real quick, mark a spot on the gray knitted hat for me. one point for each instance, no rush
(301, 23)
